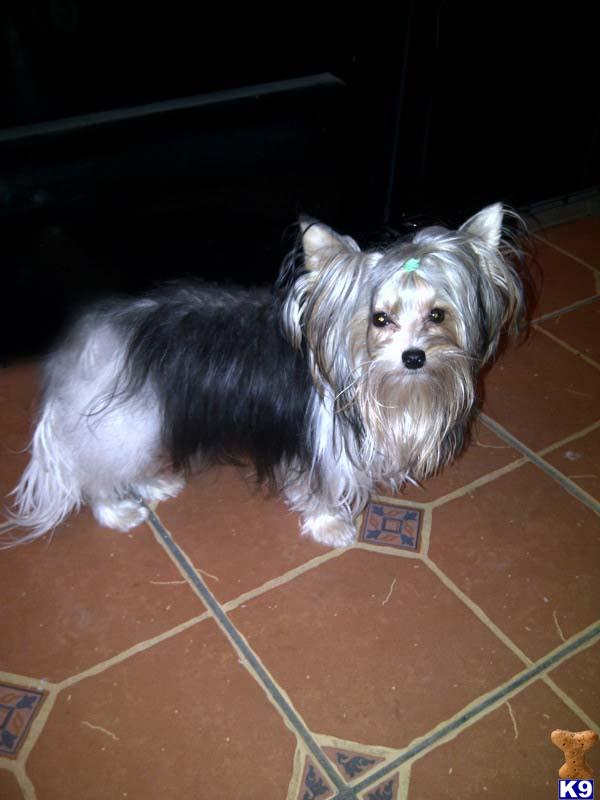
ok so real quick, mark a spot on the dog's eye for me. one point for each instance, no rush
(437, 315)
(381, 319)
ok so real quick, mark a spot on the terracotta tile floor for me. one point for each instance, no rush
(214, 654)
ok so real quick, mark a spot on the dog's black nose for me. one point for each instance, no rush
(413, 358)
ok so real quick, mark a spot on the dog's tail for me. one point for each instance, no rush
(47, 491)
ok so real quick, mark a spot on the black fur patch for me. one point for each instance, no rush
(229, 383)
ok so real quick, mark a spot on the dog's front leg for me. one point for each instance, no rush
(326, 512)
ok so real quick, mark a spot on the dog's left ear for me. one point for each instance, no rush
(500, 290)
(321, 243)
(486, 225)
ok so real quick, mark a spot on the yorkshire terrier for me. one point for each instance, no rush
(357, 369)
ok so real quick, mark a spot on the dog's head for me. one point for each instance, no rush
(398, 335)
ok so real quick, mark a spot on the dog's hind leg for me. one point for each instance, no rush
(124, 513)
(94, 444)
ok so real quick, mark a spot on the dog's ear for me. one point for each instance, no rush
(500, 289)
(321, 243)
(486, 225)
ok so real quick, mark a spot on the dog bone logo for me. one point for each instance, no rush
(574, 747)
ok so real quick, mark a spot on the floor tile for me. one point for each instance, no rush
(371, 648)
(508, 754)
(9, 786)
(19, 387)
(84, 595)
(581, 238)
(314, 783)
(18, 707)
(234, 533)
(578, 677)
(387, 788)
(579, 460)
(184, 719)
(558, 280)
(541, 392)
(366, 648)
(525, 551)
(387, 525)
(579, 328)
(352, 764)
(484, 453)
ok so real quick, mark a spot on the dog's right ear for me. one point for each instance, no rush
(321, 243)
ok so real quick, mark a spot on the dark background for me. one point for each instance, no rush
(371, 123)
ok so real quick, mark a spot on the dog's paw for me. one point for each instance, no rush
(159, 489)
(122, 515)
(330, 530)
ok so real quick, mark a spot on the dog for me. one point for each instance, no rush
(357, 369)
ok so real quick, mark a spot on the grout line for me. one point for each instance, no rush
(26, 681)
(248, 657)
(397, 552)
(551, 471)
(404, 777)
(425, 532)
(339, 743)
(478, 612)
(347, 793)
(52, 691)
(570, 703)
(296, 776)
(281, 580)
(478, 482)
(564, 252)
(140, 647)
(485, 704)
(566, 309)
(567, 346)
(573, 437)
(54, 688)
(400, 500)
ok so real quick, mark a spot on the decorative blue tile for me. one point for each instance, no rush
(18, 707)
(314, 785)
(351, 763)
(391, 526)
(387, 790)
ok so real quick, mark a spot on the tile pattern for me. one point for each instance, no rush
(352, 763)
(314, 785)
(217, 653)
(386, 790)
(390, 526)
(18, 707)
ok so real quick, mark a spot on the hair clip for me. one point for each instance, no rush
(411, 265)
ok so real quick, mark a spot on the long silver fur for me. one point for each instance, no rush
(370, 420)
